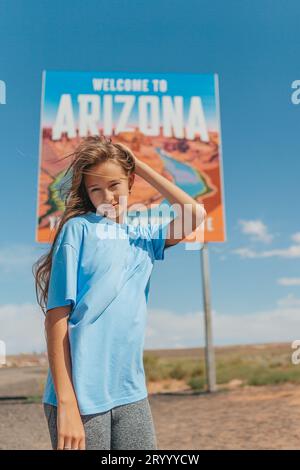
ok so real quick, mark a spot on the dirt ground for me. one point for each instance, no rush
(261, 417)
(244, 418)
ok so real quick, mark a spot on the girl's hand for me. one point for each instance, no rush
(138, 164)
(70, 429)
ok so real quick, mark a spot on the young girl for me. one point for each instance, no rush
(93, 287)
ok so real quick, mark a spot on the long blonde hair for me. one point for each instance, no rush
(91, 150)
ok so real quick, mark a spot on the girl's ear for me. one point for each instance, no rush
(131, 180)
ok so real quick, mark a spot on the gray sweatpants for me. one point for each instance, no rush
(125, 427)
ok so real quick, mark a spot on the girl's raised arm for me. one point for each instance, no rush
(191, 209)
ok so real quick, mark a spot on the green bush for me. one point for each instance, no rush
(196, 383)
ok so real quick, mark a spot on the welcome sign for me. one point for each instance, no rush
(170, 121)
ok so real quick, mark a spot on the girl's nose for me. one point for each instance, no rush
(108, 197)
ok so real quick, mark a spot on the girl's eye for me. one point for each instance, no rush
(112, 186)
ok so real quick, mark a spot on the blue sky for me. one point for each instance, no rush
(254, 48)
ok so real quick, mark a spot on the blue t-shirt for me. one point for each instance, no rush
(102, 269)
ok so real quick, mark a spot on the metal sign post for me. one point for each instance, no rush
(209, 350)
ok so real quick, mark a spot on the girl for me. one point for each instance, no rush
(93, 288)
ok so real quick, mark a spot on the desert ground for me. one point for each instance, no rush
(235, 417)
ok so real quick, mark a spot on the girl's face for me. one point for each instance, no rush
(105, 184)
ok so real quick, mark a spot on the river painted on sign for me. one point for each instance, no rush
(184, 176)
